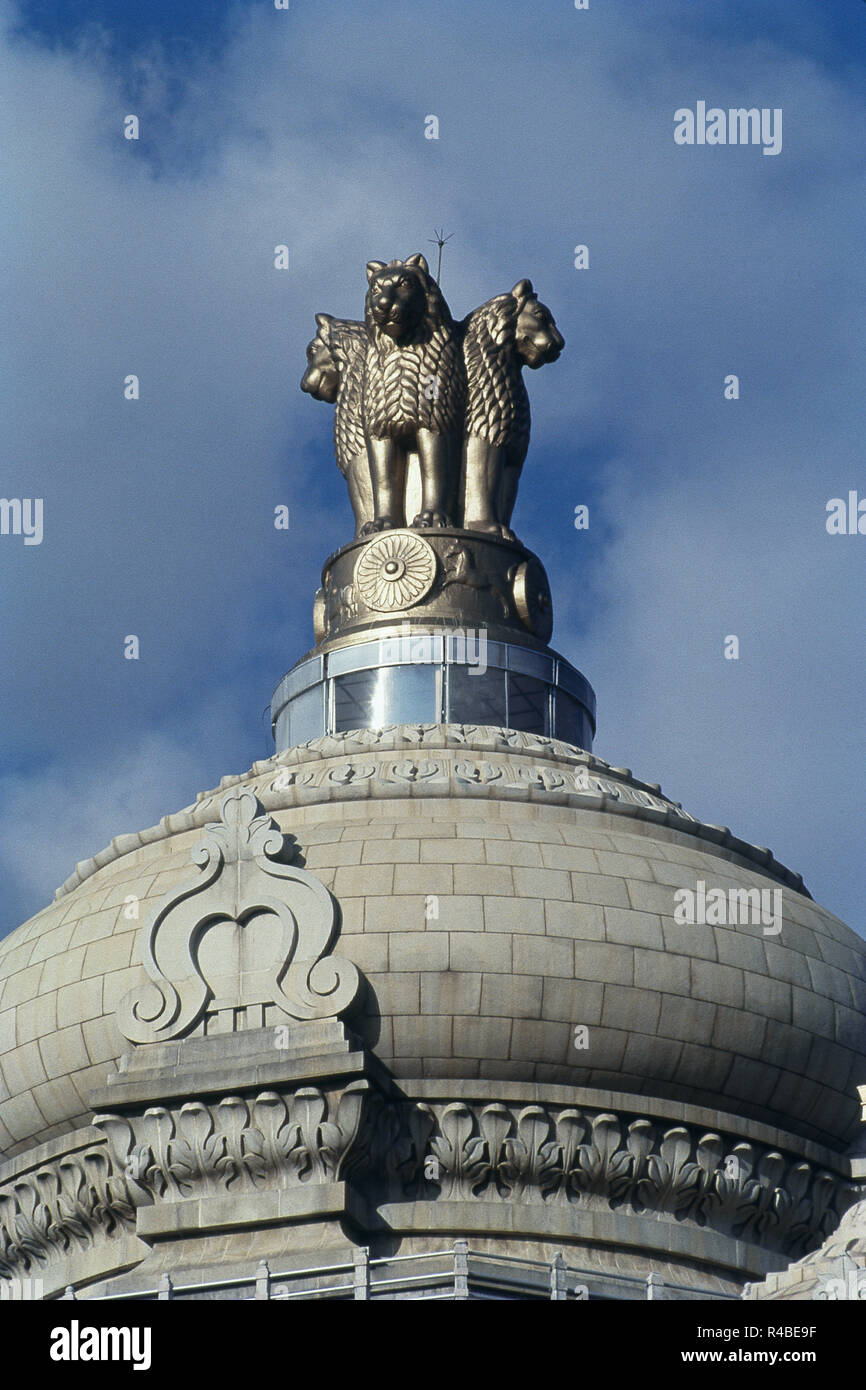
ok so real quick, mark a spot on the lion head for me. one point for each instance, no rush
(322, 377)
(536, 336)
(400, 297)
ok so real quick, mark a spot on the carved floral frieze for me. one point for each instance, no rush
(602, 1160)
(50, 1211)
(237, 1144)
(352, 764)
(396, 1150)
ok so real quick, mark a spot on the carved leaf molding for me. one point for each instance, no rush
(602, 1160)
(198, 1150)
(456, 1151)
(62, 1206)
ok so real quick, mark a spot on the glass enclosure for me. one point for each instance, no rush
(384, 695)
(431, 679)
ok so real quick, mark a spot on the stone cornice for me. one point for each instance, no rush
(754, 1202)
(440, 761)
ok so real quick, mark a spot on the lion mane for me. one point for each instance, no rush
(497, 406)
(500, 338)
(413, 374)
(336, 373)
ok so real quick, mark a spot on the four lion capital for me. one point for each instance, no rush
(410, 383)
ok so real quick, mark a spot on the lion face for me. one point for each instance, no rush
(397, 296)
(536, 336)
(322, 377)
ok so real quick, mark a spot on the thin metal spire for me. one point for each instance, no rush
(439, 239)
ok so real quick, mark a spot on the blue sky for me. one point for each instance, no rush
(306, 127)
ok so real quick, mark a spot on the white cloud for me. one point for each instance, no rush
(68, 811)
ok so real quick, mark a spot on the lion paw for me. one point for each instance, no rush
(381, 523)
(424, 519)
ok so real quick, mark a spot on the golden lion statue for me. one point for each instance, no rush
(335, 373)
(508, 333)
(413, 393)
(410, 383)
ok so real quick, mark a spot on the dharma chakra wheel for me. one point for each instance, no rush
(394, 571)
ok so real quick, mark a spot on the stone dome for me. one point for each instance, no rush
(497, 890)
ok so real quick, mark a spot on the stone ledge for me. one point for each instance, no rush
(165, 1086)
(534, 1221)
(204, 1215)
(62, 1146)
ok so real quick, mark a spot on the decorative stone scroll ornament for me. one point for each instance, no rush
(250, 929)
